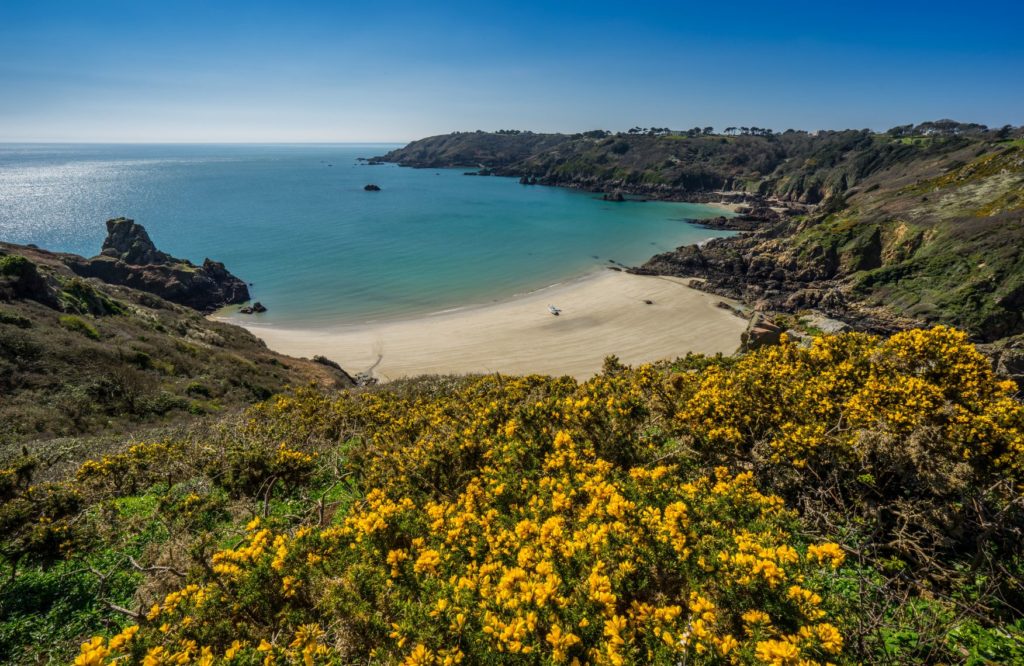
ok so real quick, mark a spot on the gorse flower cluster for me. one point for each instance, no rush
(806, 403)
(640, 517)
(568, 561)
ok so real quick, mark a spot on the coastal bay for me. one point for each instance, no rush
(318, 249)
(603, 313)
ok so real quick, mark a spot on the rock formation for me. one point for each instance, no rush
(130, 258)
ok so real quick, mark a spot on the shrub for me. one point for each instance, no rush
(14, 319)
(13, 264)
(855, 501)
(79, 325)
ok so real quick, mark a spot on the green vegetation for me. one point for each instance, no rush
(13, 264)
(855, 501)
(80, 357)
(79, 325)
(77, 295)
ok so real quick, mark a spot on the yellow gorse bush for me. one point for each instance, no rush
(531, 519)
(797, 401)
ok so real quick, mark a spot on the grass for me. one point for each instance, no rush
(125, 359)
(79, 325)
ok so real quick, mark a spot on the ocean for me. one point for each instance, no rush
(295, 221)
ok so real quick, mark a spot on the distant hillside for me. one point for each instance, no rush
(80, 356)
(791, 166)
(919, 225)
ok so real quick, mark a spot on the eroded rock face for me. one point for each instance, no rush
(130, 243)
(130, 258)
(21, 279)
(1007, 357)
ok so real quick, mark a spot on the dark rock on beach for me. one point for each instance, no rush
(745, 222)
(130, 258)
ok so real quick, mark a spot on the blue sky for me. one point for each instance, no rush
(210, 71)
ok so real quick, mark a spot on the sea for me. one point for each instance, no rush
(318, 249)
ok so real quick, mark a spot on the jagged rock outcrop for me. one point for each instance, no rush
(21, 279)
(130, 243)
(130, 258)
(1007, 357)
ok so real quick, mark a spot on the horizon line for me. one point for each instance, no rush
(4, 142)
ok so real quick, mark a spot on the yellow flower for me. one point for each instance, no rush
(427, 561)
(420, 656)
(778, 653)
(826, 552)
(92, 652)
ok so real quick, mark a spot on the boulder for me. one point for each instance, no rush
(760, 333)
(372, 188)
(258, 307)
(818, 321)
(1007, 357)
(617, 195)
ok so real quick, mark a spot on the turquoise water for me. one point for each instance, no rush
(296, 222)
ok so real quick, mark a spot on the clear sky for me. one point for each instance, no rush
(182, 70)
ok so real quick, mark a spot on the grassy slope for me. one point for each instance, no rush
(937, 240)
(100, 358)
(374, 506)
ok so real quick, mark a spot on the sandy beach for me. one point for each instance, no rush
(604, 313)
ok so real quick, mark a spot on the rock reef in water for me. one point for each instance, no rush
(130, 258)
(372, 188)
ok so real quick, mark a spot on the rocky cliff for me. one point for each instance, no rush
(939, 239)
(130, 258)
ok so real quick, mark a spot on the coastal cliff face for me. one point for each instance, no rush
(131, 259)
(793, 167)
(928, 241)
(920, 225)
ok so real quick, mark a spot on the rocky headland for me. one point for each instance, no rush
(130, 258)
(884, 231)
(119, 342)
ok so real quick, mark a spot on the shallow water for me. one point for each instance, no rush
(295, 221)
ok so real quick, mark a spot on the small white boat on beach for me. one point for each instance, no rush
(554, 310)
